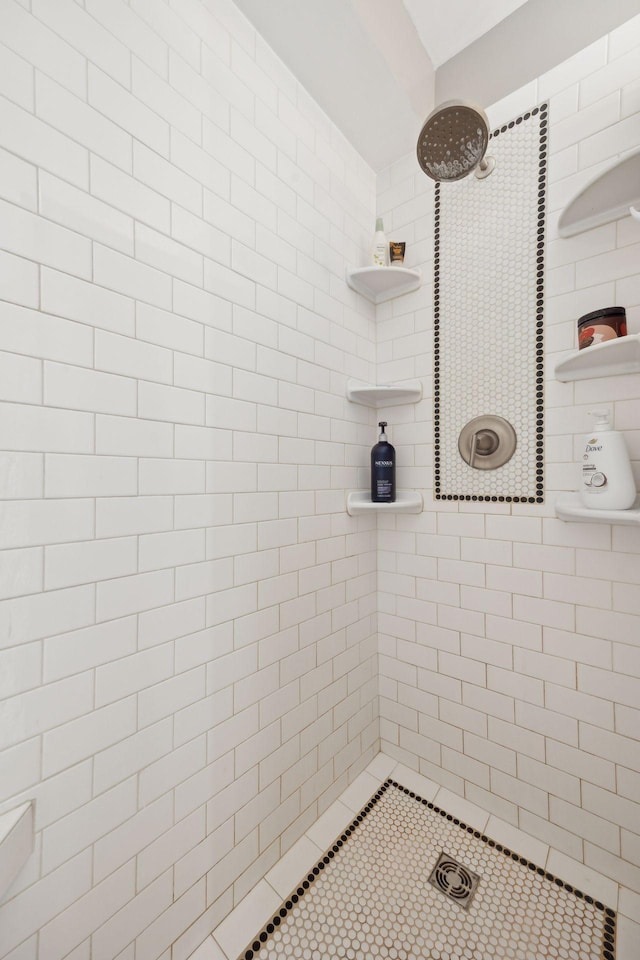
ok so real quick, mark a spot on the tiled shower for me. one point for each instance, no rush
(200, 651)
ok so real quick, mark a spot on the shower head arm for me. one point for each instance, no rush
(484, 168)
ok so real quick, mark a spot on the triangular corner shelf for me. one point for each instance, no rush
(384, 394)
(407, 501)
(378, 284)
(16, 842)
(606, 198)
(608, 359)
(569, 506)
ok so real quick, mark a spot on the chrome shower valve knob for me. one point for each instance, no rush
(487, 443)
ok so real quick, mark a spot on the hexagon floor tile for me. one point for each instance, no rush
(370, 898)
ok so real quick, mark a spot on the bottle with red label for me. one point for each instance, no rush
(601, 325)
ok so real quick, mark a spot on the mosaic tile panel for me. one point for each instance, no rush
(370, 897)
(488, 312)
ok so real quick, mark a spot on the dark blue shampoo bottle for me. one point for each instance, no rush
(383, 469)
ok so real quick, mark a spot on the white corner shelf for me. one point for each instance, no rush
(569, 506)
(382, 283)
(407, 501)
(608, 197)
(16, 843)
(606, 359)
(384, 394)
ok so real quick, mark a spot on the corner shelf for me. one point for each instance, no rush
(407, 501)
(378, 284)
(16, 843)
(384, 394)
(606, 198)
(602, 360)
(569, 506)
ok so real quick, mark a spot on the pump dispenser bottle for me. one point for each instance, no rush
(383, 469)
(380, 252)
(607, 478)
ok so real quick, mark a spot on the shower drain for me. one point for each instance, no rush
(456, 881)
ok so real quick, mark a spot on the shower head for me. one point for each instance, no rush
(453, 142)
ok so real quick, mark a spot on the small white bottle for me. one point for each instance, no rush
(607, 478)
(380, 253)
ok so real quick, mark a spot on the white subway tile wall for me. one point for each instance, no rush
(189, 675)
(188, 661)
(509, 660)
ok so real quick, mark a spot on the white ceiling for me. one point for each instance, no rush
(446, 28)
(370, 63)
(361, 60)
(374, 66)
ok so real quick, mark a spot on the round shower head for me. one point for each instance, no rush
(453, 142)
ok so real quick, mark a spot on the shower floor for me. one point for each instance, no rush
(370, 897)
(356, 886)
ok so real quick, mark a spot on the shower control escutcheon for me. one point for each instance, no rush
(487, 442)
